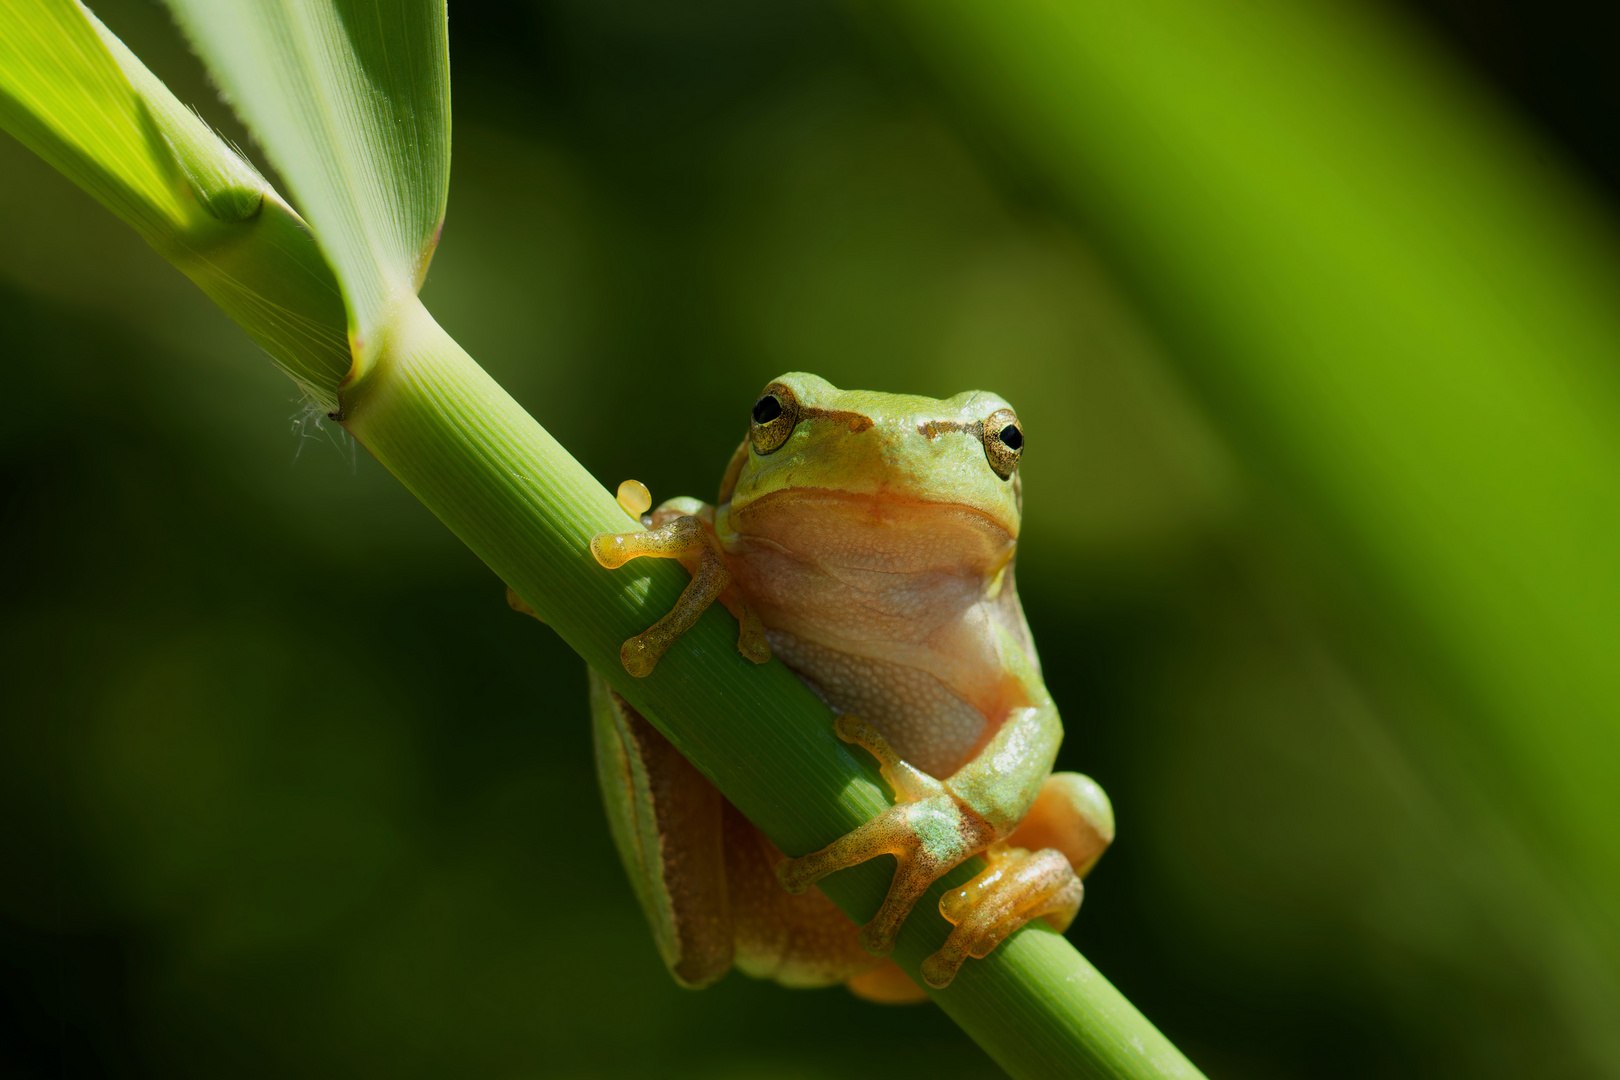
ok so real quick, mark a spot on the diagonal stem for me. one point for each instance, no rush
(519, 501)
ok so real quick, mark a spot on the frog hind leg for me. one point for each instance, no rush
(887, 984)
(1035, 874)
(1018, 885)
(704, 877)
(1072, 813)
(666, 821)
(799, 940)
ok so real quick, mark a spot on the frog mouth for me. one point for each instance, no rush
(876, 532)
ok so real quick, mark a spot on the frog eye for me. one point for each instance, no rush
(1003, 442)
(774, 415)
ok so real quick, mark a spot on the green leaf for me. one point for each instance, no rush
(351, 102)
(63, 95)
(71, 91)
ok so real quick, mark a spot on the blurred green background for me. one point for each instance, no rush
(287, 790)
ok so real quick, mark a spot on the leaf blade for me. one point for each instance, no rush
(64, 96)
(352, 104)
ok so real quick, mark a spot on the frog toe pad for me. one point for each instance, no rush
(1017, 886)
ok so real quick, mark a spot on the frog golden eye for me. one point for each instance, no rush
(774, 415)
(1003, 442)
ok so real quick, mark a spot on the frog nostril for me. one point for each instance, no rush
(1012, 437)
(767, 409)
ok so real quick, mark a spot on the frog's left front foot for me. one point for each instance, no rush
(929, 833)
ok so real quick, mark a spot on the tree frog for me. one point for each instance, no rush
(867, 540)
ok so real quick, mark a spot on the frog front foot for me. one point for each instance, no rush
(680, 529)
(931, 831)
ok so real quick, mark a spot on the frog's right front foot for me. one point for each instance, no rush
(682, 537)
(678, 533)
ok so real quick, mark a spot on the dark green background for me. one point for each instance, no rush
(288, 791)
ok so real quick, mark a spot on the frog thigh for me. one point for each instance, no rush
(705, 875)
(1072, 814)
(665, 818)
(799, 940)
(887, 984)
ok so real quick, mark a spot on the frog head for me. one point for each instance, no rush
(823, 460)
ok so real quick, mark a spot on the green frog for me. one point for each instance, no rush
(866, 540)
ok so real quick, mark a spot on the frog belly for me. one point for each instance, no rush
(928, 724)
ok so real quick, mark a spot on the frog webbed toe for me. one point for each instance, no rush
(1035, 873)
(1017, 886)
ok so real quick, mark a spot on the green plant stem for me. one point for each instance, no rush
(518, 500)
(501, 483)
